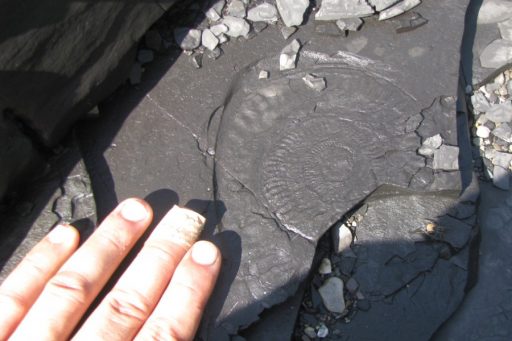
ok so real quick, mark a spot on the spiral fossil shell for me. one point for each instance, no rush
(308, 156)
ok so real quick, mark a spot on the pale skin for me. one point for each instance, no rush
(160, 296)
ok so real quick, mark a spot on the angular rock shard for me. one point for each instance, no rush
(343, 9)
(292, 11)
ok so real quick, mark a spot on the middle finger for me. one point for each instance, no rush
(125, 309)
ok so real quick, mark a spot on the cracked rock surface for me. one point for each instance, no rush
(273, 163)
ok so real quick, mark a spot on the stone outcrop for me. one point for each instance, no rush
(58, 60)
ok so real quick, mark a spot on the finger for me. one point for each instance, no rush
(20, 290)
(125, 309)
(179, 311)
(68, 294)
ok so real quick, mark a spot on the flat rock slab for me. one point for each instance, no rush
(485, 312)
(409, 275)
(486, 53)
(278, 161)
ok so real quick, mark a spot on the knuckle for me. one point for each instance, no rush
(164, 251)
(129, 305)
(71, 285)
(114, 240)
(165, 329)
(12, 299)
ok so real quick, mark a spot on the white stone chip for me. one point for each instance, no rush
(236, 8)
(399, 8)
(500, 113)
(332, 295)
(483, 132)
(219, 29)
(263, 74)
(187, 39)
(504, 132)
(292, 11)
(430, 145)
(288, 57)
(343, 9)
(446, 158)
(350, 24)
(480, 102)
(237, 27)
(342, 238)
(212, 14)
(325, 267)
(209, 40)
(322, 332)
(314, 82)
(263, 12)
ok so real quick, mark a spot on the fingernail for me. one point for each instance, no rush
(60, 234)
(183, 225)
(134, 211)
(204, 253)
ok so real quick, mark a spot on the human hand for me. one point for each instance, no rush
(161, 295)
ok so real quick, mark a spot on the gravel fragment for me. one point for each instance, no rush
(504, 132)
(209, 40)
(197, 60)
(480, 102)
(187, 39)
(343, 9)
(499, 158)
(500, 113)
(218, 29)
(237, 27)
(222, 38)
(483, 132)
(332, 295)
(292, 11)
(236, 8)
(342, 238)
(430, 145)
(446, 158)
(215, 53)
(325, 267)
(288, 58)
(264, 12)
(263, 74)
(212, 15)
(349, 24)
(314, 82)
(501, 178)
(322, 332)
(310, 332)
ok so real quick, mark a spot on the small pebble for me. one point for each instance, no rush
(483, 132)
(314, 82)
(322, 332)
(325, 267)
(263, 74)
(310, 332)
